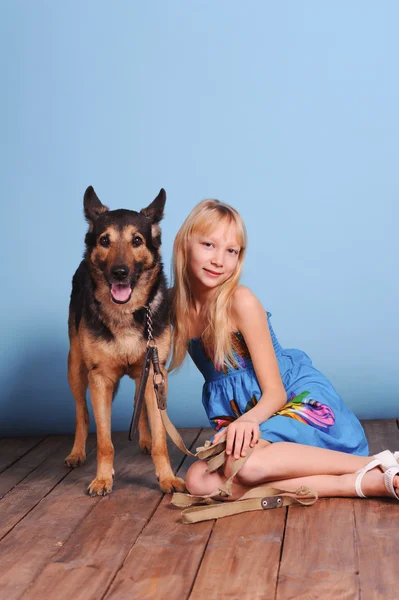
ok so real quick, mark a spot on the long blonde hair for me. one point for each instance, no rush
(204, 218)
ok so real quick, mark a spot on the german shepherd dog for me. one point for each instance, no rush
(121, 273)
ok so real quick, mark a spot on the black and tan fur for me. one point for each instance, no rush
(108, 336)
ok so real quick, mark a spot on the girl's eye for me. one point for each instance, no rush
(207, 244)
(137, 241)
(104, 241)
(232, 251)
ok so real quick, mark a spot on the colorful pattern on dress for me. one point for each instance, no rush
(224, 421)
(303, 409)
(308, 411)
(240, 351)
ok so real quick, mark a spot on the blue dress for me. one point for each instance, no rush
(314, 414)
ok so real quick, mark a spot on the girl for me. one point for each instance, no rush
(263, 394)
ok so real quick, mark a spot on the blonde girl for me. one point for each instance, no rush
(266, 396)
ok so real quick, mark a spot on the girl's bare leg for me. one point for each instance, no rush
(287, 460)
(287, 465)
(328, 486)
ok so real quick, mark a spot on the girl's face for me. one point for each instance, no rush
(213, 257)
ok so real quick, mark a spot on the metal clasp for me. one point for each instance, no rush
(271, 502)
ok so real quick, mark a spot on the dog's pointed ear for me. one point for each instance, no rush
(154, 211)
(93, 207)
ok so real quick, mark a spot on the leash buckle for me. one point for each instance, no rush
(160, 392)
(271, 502)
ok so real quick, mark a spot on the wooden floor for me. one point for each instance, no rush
(58, 543)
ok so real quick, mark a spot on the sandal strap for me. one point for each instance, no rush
(358, 485)
(384, 461)
(389, 476)
(361, 473)
(387, 459)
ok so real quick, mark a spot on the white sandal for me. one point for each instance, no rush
(388, 463)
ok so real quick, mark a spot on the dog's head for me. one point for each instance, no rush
(122, 244)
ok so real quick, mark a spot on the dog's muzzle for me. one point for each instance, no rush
(121, 290)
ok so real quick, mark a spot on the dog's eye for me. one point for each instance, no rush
(104, 241)
(137, 241)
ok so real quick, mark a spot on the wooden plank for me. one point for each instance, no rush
(26, 549)
(378, 541)
(29, 462)
(376, 531)
(319, 558)
(382, 434)
(242, 557)
(90, 558)
(25, 496)
(165, 558)
(11, 449)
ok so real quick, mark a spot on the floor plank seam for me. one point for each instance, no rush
(147, 521)
(131, 548)
(58, 549)
(32, 508)
(357, 557)
(22, 455)
(281, 552)
(27, 475)
(37, 503)
(201, 559)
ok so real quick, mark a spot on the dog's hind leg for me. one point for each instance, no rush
(168, 482)
(77, 377)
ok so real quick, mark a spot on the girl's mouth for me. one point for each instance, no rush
(212, 273)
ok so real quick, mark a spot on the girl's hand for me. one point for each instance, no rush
(241, 434)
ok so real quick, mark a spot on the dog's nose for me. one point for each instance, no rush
(120, 272)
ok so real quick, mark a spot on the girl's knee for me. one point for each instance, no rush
(244, 475)
(195, 478)
(250, 472)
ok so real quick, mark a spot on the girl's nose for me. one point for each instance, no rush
(217, 260)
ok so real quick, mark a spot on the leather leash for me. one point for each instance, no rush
(138, 402)
(152, 356)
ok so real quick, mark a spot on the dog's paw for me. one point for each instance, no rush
(100, 487)
(172, 484)
(145, 446)
(75, 459)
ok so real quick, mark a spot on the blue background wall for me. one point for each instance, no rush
(287, 110)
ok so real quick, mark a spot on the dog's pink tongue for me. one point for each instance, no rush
(120, 292)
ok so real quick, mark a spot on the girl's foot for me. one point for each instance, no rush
(373, 484)
(370, 481)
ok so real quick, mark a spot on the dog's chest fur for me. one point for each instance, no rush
(127, 345)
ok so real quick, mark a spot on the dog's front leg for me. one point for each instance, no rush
(101, 392)
(168, 482)
(144, 431)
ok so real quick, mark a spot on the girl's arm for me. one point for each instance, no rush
(250, 319)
